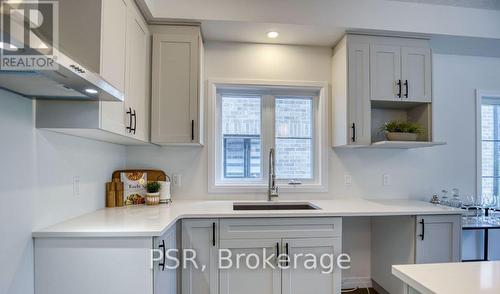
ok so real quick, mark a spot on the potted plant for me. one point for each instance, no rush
(153, 193)
(397, 130)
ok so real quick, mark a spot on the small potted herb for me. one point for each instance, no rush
(153, 193)
(397, 130)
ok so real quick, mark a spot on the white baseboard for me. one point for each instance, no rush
(356, 282)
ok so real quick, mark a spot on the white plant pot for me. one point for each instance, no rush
(401, 136)
(153, 198)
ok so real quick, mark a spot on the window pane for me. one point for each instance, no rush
(487, 122)
(294, 117)
(490, 148)
(293, 158)
(240, 124)
(294, 138)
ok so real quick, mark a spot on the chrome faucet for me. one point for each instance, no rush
(272, 191)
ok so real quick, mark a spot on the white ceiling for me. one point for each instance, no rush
(322, 22)
(481, 4)
(235, 31)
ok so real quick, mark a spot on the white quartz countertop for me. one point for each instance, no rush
(446, 278)
(155, 220)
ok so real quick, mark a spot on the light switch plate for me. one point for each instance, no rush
(386, 180)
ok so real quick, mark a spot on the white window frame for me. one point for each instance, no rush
(481, 97)
(267, 87)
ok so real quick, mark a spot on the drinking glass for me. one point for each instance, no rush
(467, 203)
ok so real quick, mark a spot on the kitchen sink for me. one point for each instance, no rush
(274, 206)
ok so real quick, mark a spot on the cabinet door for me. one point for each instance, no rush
(297, 279)
(113, 60)
(201, 236)
(175, 92)
(243, 280)
(93, 265)
(165, 279)
(385, 72)
(416, 74)
(113, 42)
(438, 238)
(358, 102)
(137, 88)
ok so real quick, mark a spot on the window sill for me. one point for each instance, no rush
(259, 188)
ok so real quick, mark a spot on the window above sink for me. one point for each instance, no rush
(247, 118)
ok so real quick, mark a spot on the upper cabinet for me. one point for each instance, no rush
(378, 79)
(177, 86)
(351, 93)
(400, 72)
(114, 41)
(416, 74)
(116, 45)
(385, 72)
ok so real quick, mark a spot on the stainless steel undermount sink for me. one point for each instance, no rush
(274, 206)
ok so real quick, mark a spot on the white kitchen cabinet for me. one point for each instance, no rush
(298, 279)
(351, 93)
(438, 239)
(201, 236)
(93, 265)
(416, 74)
(104, 265)
(120, 52)
(377, 79)
(280, 236)
(138, 75)
(166, 279)
(398, 240)
(113, 41)
(244, 280)
(385, 72)
(400, 70)
(177, 92)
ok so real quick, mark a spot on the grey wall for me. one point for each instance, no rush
(36, 180)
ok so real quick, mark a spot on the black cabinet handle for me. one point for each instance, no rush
(213, 234)
(135, 121)
(406, 86)
(353, 132)
(162, 246)
(192, 130)
(399, 87)
(422, 222)
(277, 250)
(287, 256)
(129, 112)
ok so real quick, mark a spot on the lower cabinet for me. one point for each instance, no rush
(294, 241)
(165, 273)
(104, 265)
(408, 240)
(240, 279)
(242, 247)
(298, 279)
(200, 236)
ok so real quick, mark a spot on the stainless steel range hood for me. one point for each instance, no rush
(70, 81)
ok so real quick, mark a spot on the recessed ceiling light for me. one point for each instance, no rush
(7, 46)
(272, 35)
(91, 91)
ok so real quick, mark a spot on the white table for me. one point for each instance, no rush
(450, 278)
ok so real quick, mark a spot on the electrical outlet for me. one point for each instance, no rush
(177, 180)
(76, 185)
(347, 180)
(386, 180)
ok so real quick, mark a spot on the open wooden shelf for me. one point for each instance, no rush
(404, 144)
